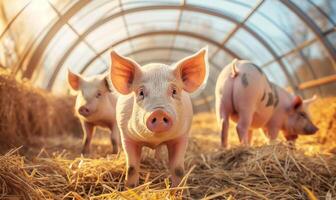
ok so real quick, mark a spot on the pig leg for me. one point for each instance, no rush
(133, 156)
(272, 134)
(88, 129)
(250, 136)
(243, 126)
(176, 152)
(225, 132)
(224, 109)
(115, 139)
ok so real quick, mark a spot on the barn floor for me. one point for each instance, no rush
(52, 168)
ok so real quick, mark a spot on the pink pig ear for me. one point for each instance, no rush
(123, 72)
(193, 70)
(73, 80)
(297, 102)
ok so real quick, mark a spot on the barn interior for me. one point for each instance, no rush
(293, 42)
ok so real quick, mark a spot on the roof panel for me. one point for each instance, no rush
(93, 12)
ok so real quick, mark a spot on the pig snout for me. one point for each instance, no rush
(310, 130)
(84, 111)
(159, 121)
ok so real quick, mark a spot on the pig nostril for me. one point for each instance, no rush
(165, 120)
(153, 120)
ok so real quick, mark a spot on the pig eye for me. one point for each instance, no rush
(141, 94)
(302, 114)
(174, 92)
(98, 95)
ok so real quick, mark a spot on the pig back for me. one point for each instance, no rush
(254, 94)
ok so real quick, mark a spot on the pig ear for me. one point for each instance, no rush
(297, 102)
(73, 80)
(122, 72)
(193, 70)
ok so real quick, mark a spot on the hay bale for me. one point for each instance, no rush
(26, 111)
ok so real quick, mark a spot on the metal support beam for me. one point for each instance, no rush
(318, 82)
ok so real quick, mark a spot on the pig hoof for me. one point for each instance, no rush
(115, 151)
(131, 184)
(86, 151)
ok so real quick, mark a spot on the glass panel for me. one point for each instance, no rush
(31, 24)
(95, 67)
(332, 38)
(93, 12)
(108, 34)
(56, 48)
(276, 74)
(216, 28)
(11, 8)
(150, 41)
(274, 34)
(328, 7)
(80, 56)
(127, 4)
(283, 18)
(62, 5)
(297, 68)
(193, 43)
(251, 48)
(320, 18)
(236, 9)
(321, 64)
(144, 22)
(222, 59)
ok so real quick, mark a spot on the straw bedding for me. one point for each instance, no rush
(50, 165)
(268, 172)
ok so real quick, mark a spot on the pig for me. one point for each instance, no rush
(155, 109)
(244, 94)
(95, 106)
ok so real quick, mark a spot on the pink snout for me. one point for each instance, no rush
(84, 111)
(159, 121)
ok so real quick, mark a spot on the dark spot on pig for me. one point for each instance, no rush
(270, 99)
(258, 68)
(130, 171)
(179, 172)
(263, 97)
(244, 80)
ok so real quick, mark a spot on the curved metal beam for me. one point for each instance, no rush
(146, 34)
(194, 9)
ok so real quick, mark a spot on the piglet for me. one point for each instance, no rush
(155, 108)
(95, 106)
(244, 94)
